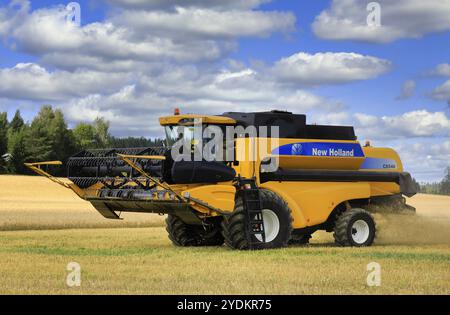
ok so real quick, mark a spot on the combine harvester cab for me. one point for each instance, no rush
(323, 180)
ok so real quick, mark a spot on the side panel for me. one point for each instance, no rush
(384, 189)
(381, 159)
(218, 196)
(312, 202)
(298, 154)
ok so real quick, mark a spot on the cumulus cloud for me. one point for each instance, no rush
(127, 98)
(419, 123)
(441, 70)
(72, 61)
(442, 92)
(12, 14)
(45, 32)
(426, 160)
(408, 89)
(409, 125)
(337, 117)
(129, 37)
(171, 4)
(207, 23)
(329, 68)
(347, 20)
(29, 81)
(135, 108)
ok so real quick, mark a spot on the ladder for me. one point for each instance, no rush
(255, 224)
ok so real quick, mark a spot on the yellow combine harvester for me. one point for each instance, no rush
(279, 187)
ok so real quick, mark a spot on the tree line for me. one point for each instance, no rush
(438, 188)
(48, 138)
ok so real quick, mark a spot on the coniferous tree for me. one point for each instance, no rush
(3, 133)
(416, 185)
(17, 147)
(102, 135)
(3, 140)
(63, 141)
(17, 122)
(40, 143)
(49, 137)
(133, 142)
(445, 184)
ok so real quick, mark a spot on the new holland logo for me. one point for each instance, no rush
(297, 149)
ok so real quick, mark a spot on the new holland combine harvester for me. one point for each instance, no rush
(324, 180)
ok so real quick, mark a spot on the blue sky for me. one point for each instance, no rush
(132, 63)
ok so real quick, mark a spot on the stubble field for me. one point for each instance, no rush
(44, 227)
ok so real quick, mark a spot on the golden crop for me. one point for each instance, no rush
(45, 227)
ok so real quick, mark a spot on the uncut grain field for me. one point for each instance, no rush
(44, 227)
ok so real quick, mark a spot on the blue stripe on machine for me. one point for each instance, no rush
(378, 163)
(330, 149)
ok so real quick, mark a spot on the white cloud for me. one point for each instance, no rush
(366, 120)
(45, 32)
(347, 19)
(336, 117)
(171, 4)
(408, 89)
(419, 123)
(442, 92)
(329, 68)
(206, 23)
(441, 70)
(128, 112)
(28, 81)
(425, 160)
(127, 42)
(202, 89)
(130, 37)
(73, 61)
(211, 92)
(12, 15)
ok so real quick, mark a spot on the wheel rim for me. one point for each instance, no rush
(360, 231)
(271, 226)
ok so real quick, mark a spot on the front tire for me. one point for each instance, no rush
(184, 235)
(355, 227)
(277, 223)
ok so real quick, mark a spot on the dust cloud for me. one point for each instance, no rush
(412, 229)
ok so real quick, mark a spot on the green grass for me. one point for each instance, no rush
(142, 261)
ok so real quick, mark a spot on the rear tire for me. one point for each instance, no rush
(182, 234)
(278, 228)
(355, 227)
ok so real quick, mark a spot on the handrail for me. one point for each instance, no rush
(36, 167)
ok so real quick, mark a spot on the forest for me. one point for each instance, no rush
(48, 138)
